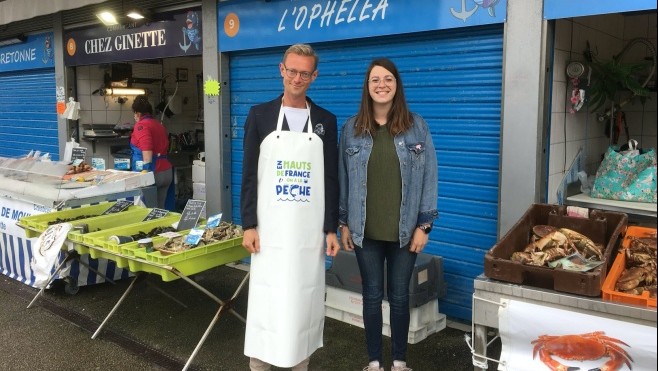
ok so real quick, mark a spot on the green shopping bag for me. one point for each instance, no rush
(626, 175)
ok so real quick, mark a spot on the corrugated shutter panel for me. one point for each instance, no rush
(453, 79)
(28, 119)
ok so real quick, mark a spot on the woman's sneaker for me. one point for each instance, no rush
(373, 366)
(400, 366)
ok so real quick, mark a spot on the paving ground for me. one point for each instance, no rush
(149, 331)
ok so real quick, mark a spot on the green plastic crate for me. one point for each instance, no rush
(103, 222)
(96, 252)
(100, 238)
(34, 225)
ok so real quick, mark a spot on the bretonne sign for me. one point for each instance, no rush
(558, 9)
(179, 35)
(36, 52)
(256, 24)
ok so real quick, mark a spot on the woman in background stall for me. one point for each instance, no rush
(149, 142)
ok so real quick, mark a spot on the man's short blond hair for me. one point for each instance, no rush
(304, 50)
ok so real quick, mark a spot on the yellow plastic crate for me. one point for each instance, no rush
(187, 262)
(34, 225)
(100, 238)
(103, 222)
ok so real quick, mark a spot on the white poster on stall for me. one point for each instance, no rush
(536, 337)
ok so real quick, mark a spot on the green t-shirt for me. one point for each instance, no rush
(384, 189)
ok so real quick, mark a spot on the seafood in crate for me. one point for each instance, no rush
(639, 274)
(224, 231)
(549, 243)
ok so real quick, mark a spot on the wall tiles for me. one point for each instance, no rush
(557, 128)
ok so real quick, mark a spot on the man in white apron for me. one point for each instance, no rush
(289, 203)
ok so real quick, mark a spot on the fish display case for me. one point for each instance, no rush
(604, 228)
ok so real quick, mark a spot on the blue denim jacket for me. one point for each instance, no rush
(419, 173)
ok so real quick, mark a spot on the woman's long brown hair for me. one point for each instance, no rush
(399, 118)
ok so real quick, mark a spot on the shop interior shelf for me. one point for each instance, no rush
(34, 225)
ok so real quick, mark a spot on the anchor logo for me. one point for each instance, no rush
(463, 14)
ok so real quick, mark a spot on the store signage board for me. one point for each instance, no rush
(156, 214)
(118, 207)
(36, 52)
(178, 35)
(560, 9)
(191, 214)
(256, 24)
(78, 154)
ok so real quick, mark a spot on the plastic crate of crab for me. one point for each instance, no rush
(632, 278)
(217, 246)
(525, 253)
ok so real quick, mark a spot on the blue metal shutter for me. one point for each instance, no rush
(28, 117)
(453, 79)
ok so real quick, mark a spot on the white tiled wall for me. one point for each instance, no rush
(98, 110)
(573, 132)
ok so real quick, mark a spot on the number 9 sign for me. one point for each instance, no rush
(231, 24)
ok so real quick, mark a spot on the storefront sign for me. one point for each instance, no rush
(257, 24)
(558, 9)
(180, 35)
(36, 52)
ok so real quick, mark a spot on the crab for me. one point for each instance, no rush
(583, 244)
(582, 347)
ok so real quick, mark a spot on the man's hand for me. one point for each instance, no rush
(346, 238)
(251, 241)
(332, 244)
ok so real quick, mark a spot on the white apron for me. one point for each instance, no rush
(285, 314)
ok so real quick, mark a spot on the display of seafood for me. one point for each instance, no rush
(549, 243)
(80, 168)
(152, 233)
(224, 231)
(639, 274)
(64, 220)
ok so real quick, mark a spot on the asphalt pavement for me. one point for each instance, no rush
(159, 324)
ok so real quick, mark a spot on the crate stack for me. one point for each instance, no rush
(344, 300)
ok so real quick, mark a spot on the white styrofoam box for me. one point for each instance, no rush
(199, 191)
(413, 337)
(352, 302)
(198, 171)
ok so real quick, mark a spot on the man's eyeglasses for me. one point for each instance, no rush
(388, 80)
(305, 76)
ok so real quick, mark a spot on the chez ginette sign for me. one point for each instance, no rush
(179, 35)
(36, 52)
(256, 24)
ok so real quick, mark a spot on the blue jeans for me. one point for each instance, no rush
(399, 266)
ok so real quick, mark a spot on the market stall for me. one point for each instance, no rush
(169, 245)
(33, 186)
(538, 295)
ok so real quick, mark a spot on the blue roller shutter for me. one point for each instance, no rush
(28, 117)
(453, 79)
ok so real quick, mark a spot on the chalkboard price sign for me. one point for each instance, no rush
(78, 153)
(156, 214)
(191, 214)
(119, 206)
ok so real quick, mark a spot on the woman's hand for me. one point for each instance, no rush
(418, 241)
(346, 238)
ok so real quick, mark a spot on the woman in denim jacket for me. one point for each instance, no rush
(388, 193)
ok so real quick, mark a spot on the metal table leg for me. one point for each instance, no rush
(215, 319)
(50, 280)
(116, 306)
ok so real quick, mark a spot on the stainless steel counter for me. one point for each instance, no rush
(489, 292)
